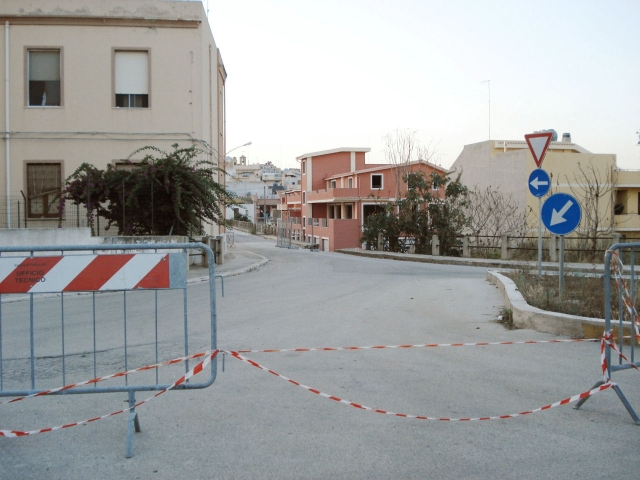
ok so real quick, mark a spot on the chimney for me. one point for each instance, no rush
(566, 137)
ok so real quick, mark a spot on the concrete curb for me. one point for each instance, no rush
(233, 273)
(526, 316)
(469, 262)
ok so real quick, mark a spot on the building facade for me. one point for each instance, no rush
(505, 165)
(338, 190)
(94, 80)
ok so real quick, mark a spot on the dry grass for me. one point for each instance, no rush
(583, 295)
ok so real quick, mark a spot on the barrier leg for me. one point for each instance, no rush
(622, 398)
(626, 404)
(581, 402)
(134, 423)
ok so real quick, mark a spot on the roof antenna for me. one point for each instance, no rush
(488, 82)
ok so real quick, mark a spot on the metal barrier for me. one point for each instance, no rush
(613, 263)
(52, 331)
(286, 232)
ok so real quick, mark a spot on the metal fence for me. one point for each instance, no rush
(136, 313)
(288, 231)
(505, 247)
(624, 356)
(259, 228)
(15, 214)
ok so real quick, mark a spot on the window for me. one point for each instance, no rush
(331, 212)
(348, 211)
(333, 184)
(376, 181)
(43, 72)
(44, 181)
(350, 182)
(621, 202)
(131, 76)
(304, 167)
(304, 222)
(304, 198)
(126, 165)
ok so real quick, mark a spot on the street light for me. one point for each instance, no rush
(224, 205)
(240, 146)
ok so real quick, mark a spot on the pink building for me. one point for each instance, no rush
(338, 191)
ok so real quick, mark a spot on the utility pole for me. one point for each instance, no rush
(488, 82)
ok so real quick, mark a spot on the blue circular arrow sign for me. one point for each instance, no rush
(539, 182)
(561, 214)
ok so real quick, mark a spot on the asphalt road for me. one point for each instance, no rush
(251, 424)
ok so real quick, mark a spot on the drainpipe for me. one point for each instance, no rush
(7, 146)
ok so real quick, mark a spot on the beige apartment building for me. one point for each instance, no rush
(505, 165)
(94, 80)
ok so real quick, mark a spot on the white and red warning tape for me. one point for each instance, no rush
(565, 401)
(208, 356)
(108, 377)
(419, 345)
(618, 268)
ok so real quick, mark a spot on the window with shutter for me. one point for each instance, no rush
(44, 184)
(44, 78)
(131, 79)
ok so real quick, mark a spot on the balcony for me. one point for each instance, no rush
(330, 195)
(626, 223)
(294, 198)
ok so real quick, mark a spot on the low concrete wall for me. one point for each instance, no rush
(144, 239)
(25, 237)
(526, 316)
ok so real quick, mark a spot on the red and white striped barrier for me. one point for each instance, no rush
(194, 371)
(75, 273)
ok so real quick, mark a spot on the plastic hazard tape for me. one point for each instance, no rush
(421, 345)
(208, 356)
(618, 269)
(359, 406)
(108, 377)
(608, 340)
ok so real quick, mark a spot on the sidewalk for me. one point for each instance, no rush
(475, 262)
(236, 262)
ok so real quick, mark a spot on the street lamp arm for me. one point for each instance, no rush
(240, 146)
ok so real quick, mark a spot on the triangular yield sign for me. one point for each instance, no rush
(538, 144)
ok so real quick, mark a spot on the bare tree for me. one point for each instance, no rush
(594, 190)
(401, 147)
(491, 213)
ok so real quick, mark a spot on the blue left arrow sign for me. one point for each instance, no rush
(539, 182)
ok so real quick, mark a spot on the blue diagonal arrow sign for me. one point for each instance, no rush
(561, 214)
(539, 183)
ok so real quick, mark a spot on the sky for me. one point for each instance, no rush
(306, 76)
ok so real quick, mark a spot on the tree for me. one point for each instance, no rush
(594, 190)
(401, 148)
(166, 193)
(421, 214)
(491, 213)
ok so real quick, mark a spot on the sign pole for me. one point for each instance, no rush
(539, 181)
(539, 236)
(561, 273)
